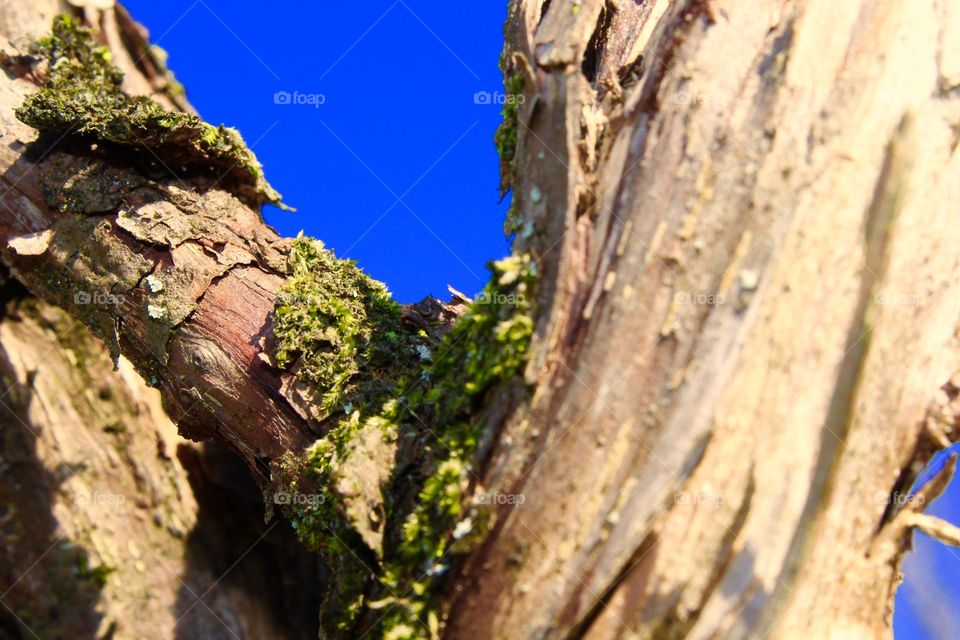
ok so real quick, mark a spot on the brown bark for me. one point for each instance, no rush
(226, 265)
(85, 455)
(746, 216)
(111, 523)
(744, 219)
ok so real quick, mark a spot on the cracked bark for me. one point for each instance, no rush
(224, 264)
(744, 218)
(96, 482)
(744, 215)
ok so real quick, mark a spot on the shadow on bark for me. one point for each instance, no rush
(243, 578)
(48, 588)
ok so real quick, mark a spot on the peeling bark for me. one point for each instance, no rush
(759, 195)
(111, 523)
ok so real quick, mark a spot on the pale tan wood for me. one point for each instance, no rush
(735, 369)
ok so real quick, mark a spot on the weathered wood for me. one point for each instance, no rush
(216, 266)
(747, 216)
(111, 523)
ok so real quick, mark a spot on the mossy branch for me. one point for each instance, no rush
(82, 96)
(423, 435)
(402, 410)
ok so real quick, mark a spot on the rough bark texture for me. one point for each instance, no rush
(224, 267)
(83, 457)
(112, 524)
(746, 214)
(743, 216)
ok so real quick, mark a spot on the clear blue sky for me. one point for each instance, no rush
(398, 122)
(928, 602)
(397, 168)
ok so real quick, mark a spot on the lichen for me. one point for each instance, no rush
(156, 312)
(82, 97)
(154, 284)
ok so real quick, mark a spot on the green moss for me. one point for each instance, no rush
(339, 330)
(82, 97)
(98, 575)
(320, 521)
(171, 87)
(506, 135)
(485, 349)
(340, 333)
(316, 514)
(512, 223)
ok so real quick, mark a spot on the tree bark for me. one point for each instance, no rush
(746, 215)
(113, 525)
(224, 266)
(746, 346)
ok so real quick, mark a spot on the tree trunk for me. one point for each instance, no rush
(114, 526)
(742, 220)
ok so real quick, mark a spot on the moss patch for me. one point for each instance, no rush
(342, 337)
(486, 349)
(317, 513)
(339, 331)
(506, 135)
(431, 424)
(81, 97)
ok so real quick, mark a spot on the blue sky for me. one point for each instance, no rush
(928, 602)
(365, 117)
(396, 168)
